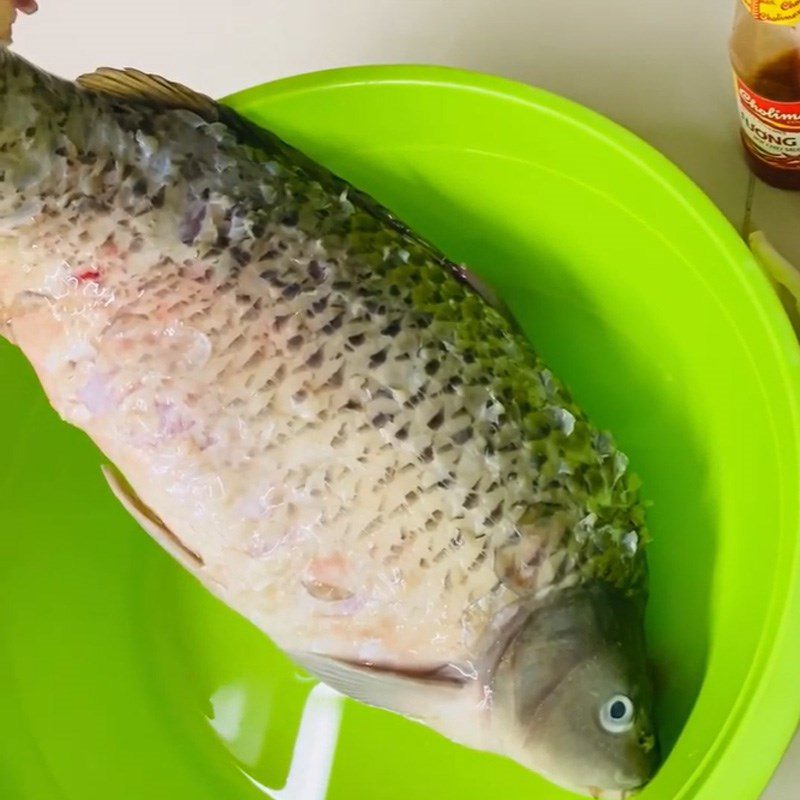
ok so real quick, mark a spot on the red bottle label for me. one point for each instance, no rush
(771, 128)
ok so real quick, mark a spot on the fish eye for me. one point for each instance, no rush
(616, 714)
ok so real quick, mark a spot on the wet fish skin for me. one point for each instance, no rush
(317, 414)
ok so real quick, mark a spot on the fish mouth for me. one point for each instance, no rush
(614, 794)
(627, 785)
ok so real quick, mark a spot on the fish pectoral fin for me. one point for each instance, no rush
(150, 521)
(136, 86)
(420, 696)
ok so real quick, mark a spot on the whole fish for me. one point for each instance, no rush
(332, 426)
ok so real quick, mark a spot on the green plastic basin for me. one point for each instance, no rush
(122, 679)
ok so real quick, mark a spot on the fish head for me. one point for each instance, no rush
(573, 692)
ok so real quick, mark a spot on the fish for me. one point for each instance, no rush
(335, 429)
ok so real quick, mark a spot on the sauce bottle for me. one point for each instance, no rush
(765, 52)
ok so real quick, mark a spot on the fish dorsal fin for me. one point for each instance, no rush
(465, 275)
(136, 86)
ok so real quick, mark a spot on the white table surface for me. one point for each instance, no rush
(659, 68)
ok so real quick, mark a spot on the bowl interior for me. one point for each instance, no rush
(120, 671)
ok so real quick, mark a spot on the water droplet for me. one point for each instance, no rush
(564, 420)
(630, 543)
(620, 465)
(197, 348)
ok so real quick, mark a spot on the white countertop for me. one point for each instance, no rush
(659, 68)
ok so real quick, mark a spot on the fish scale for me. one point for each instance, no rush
(342, 437)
